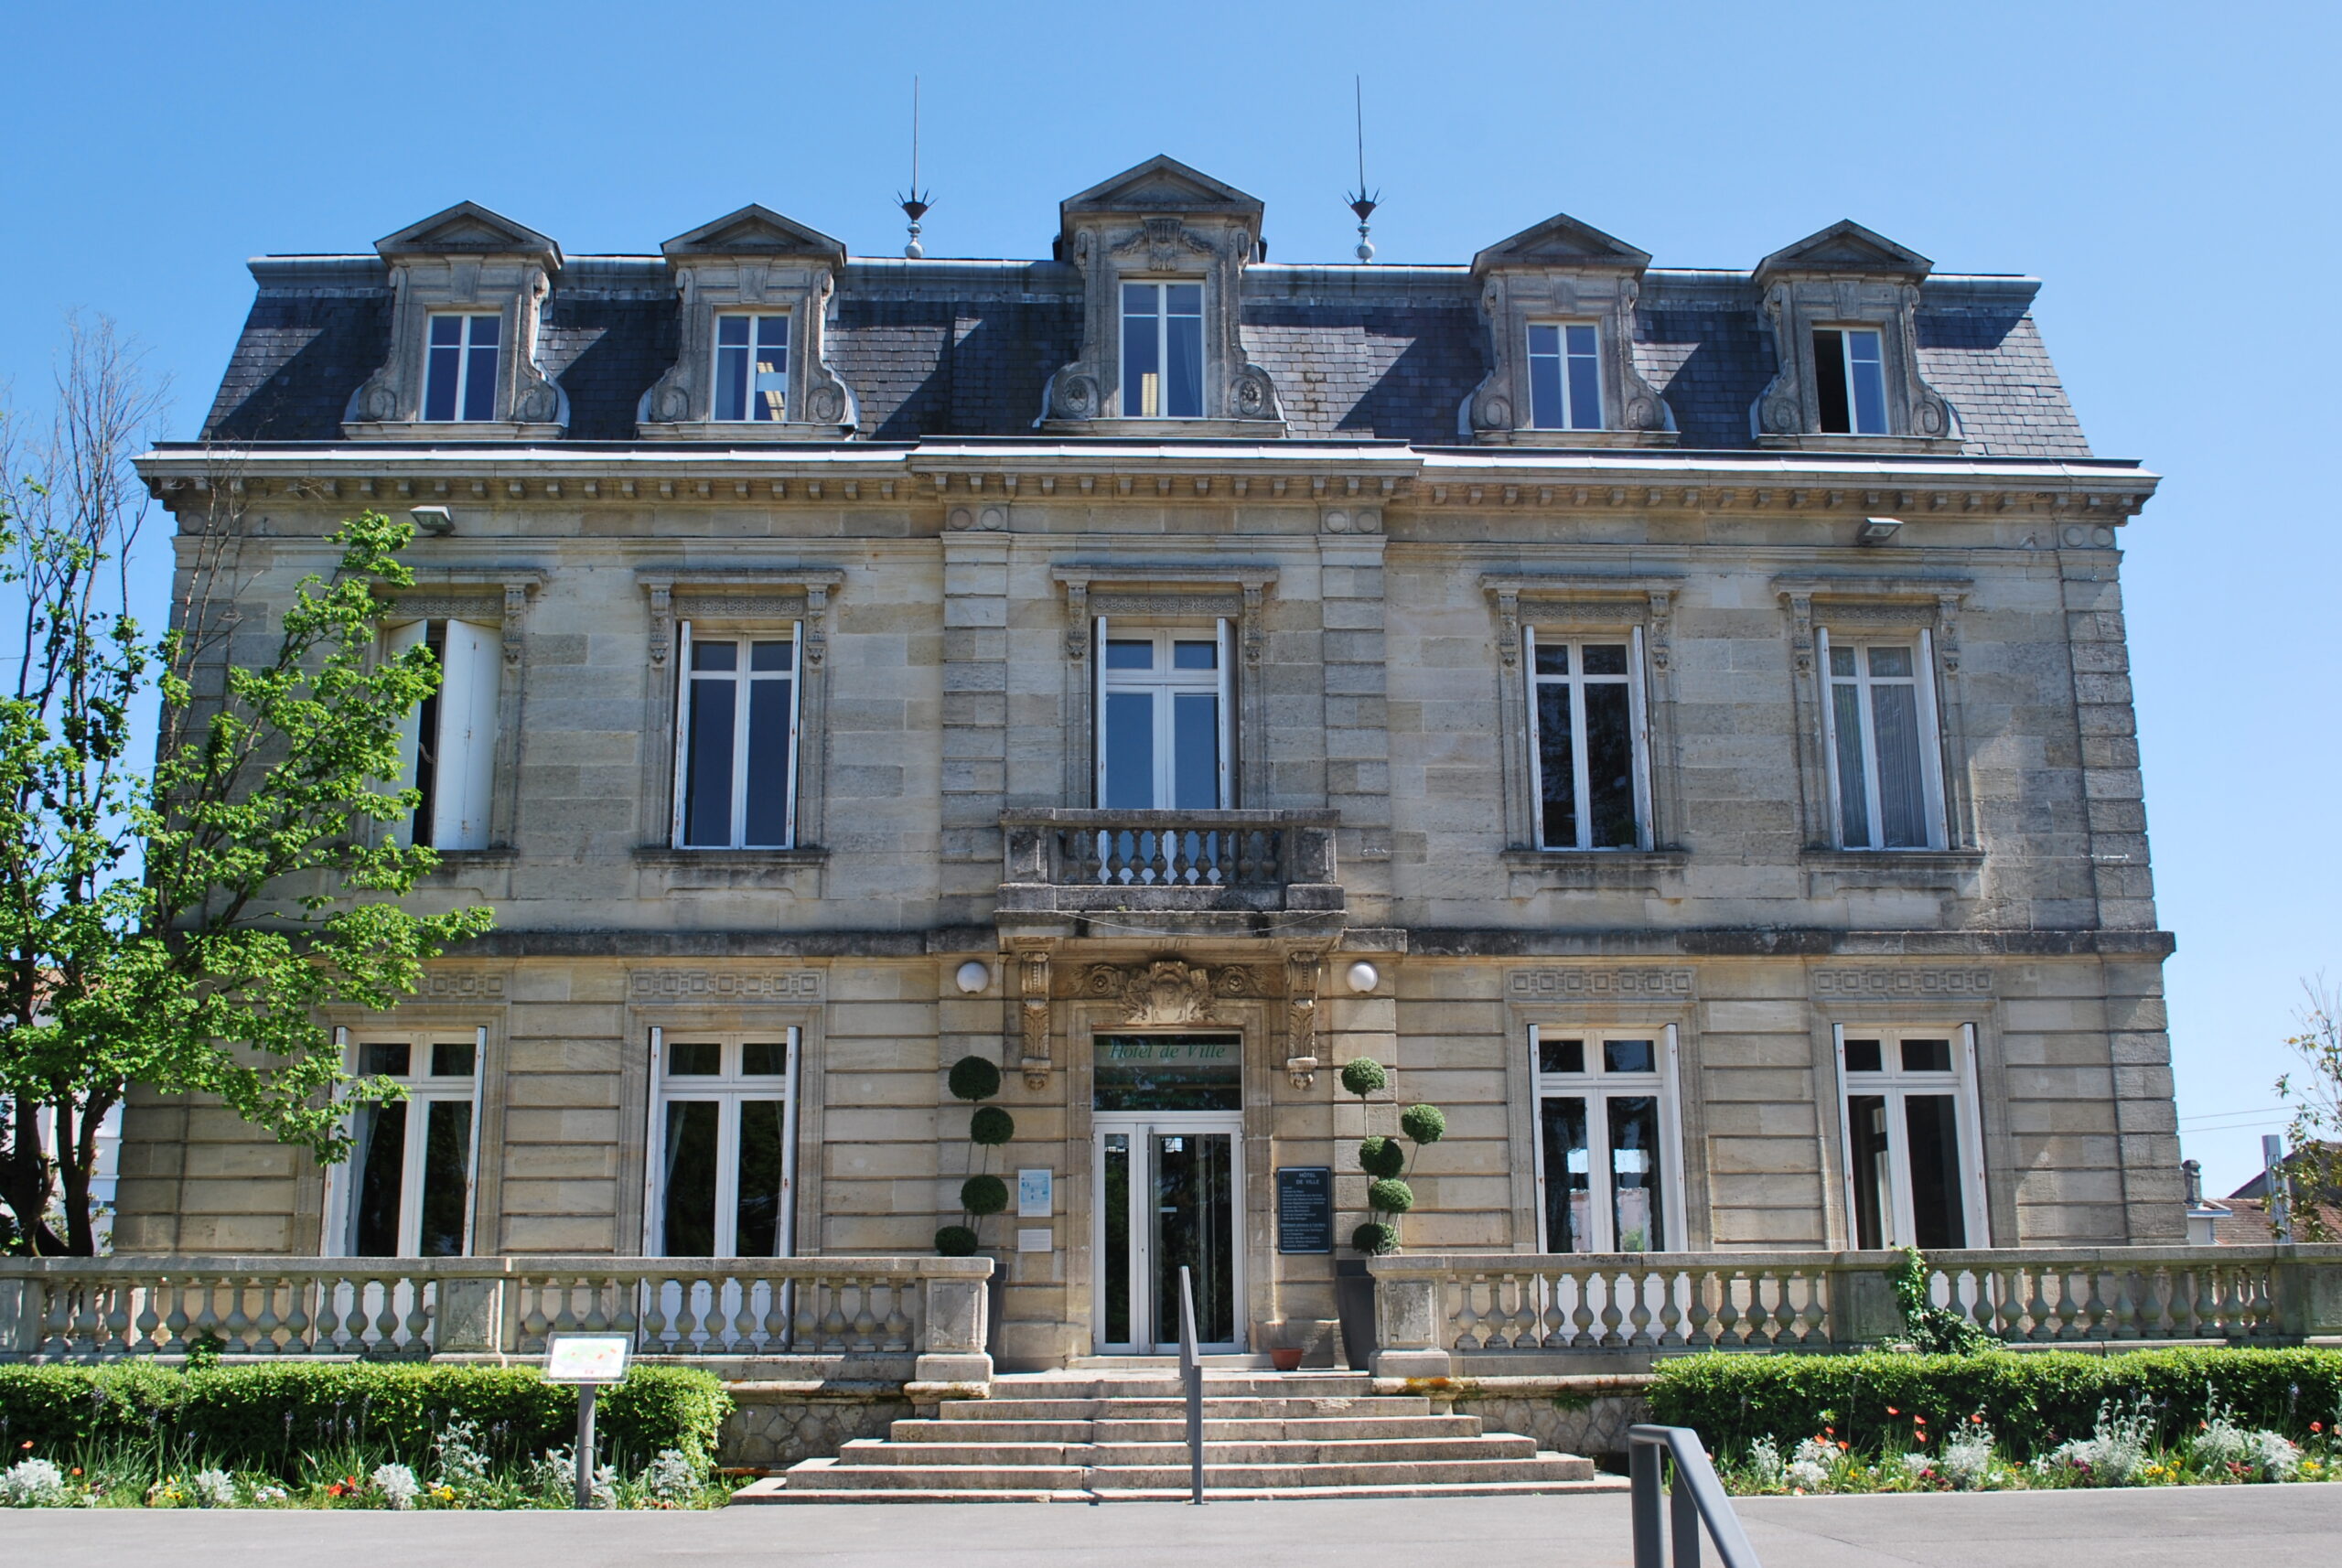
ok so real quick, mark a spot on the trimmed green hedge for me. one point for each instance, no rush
(265, 1417)
(2032, 1400)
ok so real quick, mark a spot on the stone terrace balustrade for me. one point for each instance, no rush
(921, 1318)
(1462, 1313)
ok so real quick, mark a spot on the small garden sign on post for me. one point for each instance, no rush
(591, 1361)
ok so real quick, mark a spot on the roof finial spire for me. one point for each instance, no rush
(916, 204)
(1362, 203)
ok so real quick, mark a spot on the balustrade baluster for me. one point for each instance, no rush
(1638, 1284)
(833, 1321)
(897, 1327)
(1730, 1330)
(149, 1319)
(1552, 1323)
(1697, 1315)
(2044, 1324)
(1467, 1320)
(1582, 1319)
(1611, 1316)
(2260, 1308)
(2163, 1288)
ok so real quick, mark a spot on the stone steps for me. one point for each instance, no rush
(1120, 1435)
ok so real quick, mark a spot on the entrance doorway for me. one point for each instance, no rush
(1169, 1176)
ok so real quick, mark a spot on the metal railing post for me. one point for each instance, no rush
(1191, 1373)
(1699, 1499)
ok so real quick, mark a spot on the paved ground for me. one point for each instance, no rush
(2192, 1528)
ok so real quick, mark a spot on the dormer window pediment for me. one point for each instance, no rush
(754, 289)
(468, 287)
(1559, 303)
(1843, 305)
(1161, 249)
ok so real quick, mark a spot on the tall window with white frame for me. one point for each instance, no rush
(736, 746)
(1913, 1163)
(1886, 789)
(1585, 741)
(1162, 350)
(407, 1188)
(752, 366)
(723, 1136)
(1163, 719)
(1850, 381)
(459, 368)
(1606, 1155)
(1564, 375)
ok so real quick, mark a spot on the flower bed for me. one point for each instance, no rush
(349, 1436)
(1894, 1423)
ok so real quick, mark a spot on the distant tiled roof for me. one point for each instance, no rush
(967, 349)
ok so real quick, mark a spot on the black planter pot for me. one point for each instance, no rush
(993, 1288)
(1354, 1301)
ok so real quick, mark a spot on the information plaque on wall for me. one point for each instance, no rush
(1305, 1209)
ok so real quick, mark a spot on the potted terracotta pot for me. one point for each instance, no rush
(1286, 1357)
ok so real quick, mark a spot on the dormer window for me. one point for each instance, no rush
(752, 366)
(1850, 381)
(1162, 350)
(459, 379)
(1564, 375)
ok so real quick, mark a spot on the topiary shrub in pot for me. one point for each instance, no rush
(1386, 1161)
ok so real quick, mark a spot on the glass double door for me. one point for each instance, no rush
(1169, 1187)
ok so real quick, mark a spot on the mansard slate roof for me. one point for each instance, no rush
(937, 347)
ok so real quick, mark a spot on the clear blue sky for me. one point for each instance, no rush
(2167, 168)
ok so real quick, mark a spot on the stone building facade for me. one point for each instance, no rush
(1678, 720)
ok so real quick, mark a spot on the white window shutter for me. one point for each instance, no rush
(787, 1247)
(1227, 713)
(1672, 1165)
(1537, 1138)
(653, 1151)
(1845, 1136)
(1828, 694)
(471, 673)
(337, 1193)
(471, 1159)
(1971, 1142)
(397, 641)
(682, 735)
(1638, 707)
(1098, 708)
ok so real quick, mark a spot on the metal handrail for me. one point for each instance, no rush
(1191, 1374)
(1698, 1497)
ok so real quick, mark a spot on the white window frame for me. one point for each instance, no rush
(1162, 681)
(1921, 644)
(464, 352)
(1895, 1084)
(1845, 332)
(1529, 358)
(1161, 288)
(1597, 1087)
(1638, 721)
(716, 364)
(729, 1089)
(743, 678)
(421, 1090)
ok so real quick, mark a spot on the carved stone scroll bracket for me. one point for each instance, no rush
(817, 624)
(516, 620)
(1801, 630)
(662, 623)
(1301, 974)
(1077, 620)
(1662, 610)
(1254, 637)
(1033, 1015)
(1509, 614)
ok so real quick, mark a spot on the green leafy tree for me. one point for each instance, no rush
(182, 928)
(2312, 1170)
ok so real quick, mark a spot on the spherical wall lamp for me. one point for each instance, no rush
(974, 977)
(1364, 977)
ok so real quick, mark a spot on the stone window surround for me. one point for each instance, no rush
(1590, 604)
(752, 260)
(741, 601)
(423, 1020)
(1991, 1089)
(1894, 606)
(1162, 596)
(1161, 223)
(1561, 270)
(636, 1095)
(1787, 413)
(507, 275)
(489, 597)
(1652, 1019)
